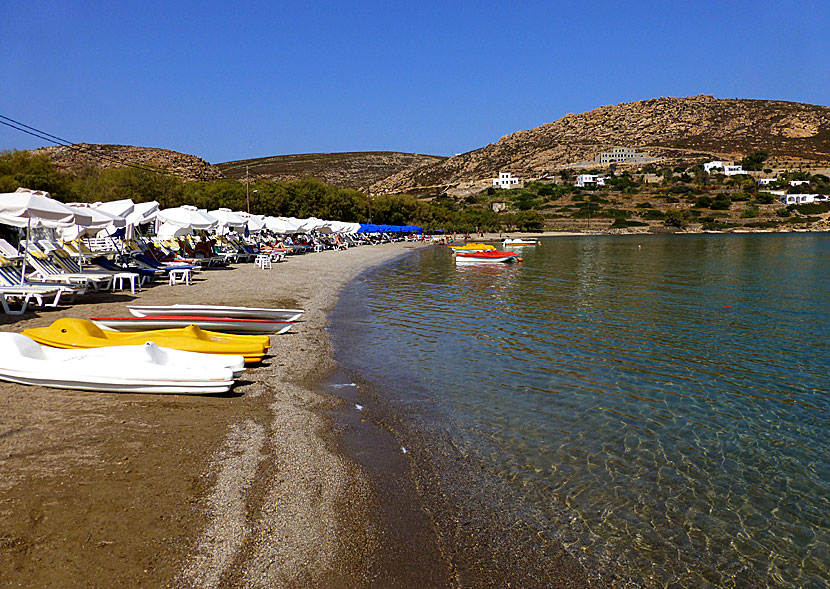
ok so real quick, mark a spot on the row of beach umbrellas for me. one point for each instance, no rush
(30, 208)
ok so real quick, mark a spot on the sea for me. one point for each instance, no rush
(657, 404)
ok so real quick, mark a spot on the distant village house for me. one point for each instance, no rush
(726, 169)
(766, 181)
(584, 180)
(506, 180)
(803, 199)
(733, 170)
(623, 155)
(498, 207)
(798, 182)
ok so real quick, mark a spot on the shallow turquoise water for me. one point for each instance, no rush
(663, 401)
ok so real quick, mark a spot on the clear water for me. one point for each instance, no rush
(662, 400)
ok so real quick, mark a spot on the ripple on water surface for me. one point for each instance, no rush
(663, 400)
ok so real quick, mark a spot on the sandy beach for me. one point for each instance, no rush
(249, 489)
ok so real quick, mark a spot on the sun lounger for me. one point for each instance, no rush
(10, 277)
(46, 269)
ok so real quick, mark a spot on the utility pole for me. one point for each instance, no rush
(369, 194)
(247, 189)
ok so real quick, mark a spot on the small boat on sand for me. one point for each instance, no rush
(81, 333)
(518, 242)
(217, 311)
(221, 324)
(145, 368)
(488, 256)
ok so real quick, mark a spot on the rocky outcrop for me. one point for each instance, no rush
(692, 127)
(80, 156)
(356, 170)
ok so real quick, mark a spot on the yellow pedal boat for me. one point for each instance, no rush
(81, 333)
(472, 247)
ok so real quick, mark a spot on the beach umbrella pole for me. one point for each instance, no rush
(25, 253)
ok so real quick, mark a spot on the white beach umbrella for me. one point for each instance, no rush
(118, 208)
(227, 219)
(187, 217)
(255, 223)
(277, 225)
(168, 230)
(99, 221)
(33, 208)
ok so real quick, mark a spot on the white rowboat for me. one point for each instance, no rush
(217, 311)
(221, 324)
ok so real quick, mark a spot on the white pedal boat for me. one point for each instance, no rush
(220, 324)
(517, 242)
(123, 369)
(217, 311)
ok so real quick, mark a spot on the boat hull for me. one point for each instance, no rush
(217, 311)
(493, 257)
(220, 324)
(143, 368)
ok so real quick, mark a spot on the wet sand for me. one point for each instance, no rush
(273, 484)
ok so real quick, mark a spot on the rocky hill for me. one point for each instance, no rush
(347, 170)
(675, 128)
(79, 156)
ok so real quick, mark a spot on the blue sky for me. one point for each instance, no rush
(231, 80)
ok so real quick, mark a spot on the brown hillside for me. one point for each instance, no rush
(79, 156)
(665, 127)
(346, 170)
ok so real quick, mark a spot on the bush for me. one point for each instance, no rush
(671, 199)
(749, 212)
(620, 223)
(783, 213)
(676, 218)
(703, 202)
(721, 204)
(813, 208)
(765, 198)
(644, 205)
(653, 215)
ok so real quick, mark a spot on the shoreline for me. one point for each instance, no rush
(246, 488)
(280, 482)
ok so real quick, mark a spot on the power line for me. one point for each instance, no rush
(71, 145)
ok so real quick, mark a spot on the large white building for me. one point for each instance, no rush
(584, 180)
(506, 180)
(727, 170)
(709, 166)
(623, 155)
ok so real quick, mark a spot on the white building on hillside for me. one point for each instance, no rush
(506, 180)
(709, 166)
(766, 181)
(798, 182)
(733, 170)
(803, 199)
(623, 155)
(584, 180)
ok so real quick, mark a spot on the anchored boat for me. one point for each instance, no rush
(488, 256)
(518, 242)
(472, 247)
(145, 368)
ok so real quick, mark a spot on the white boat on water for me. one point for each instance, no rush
(125, 369)
(518, 242)
(217, 311)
